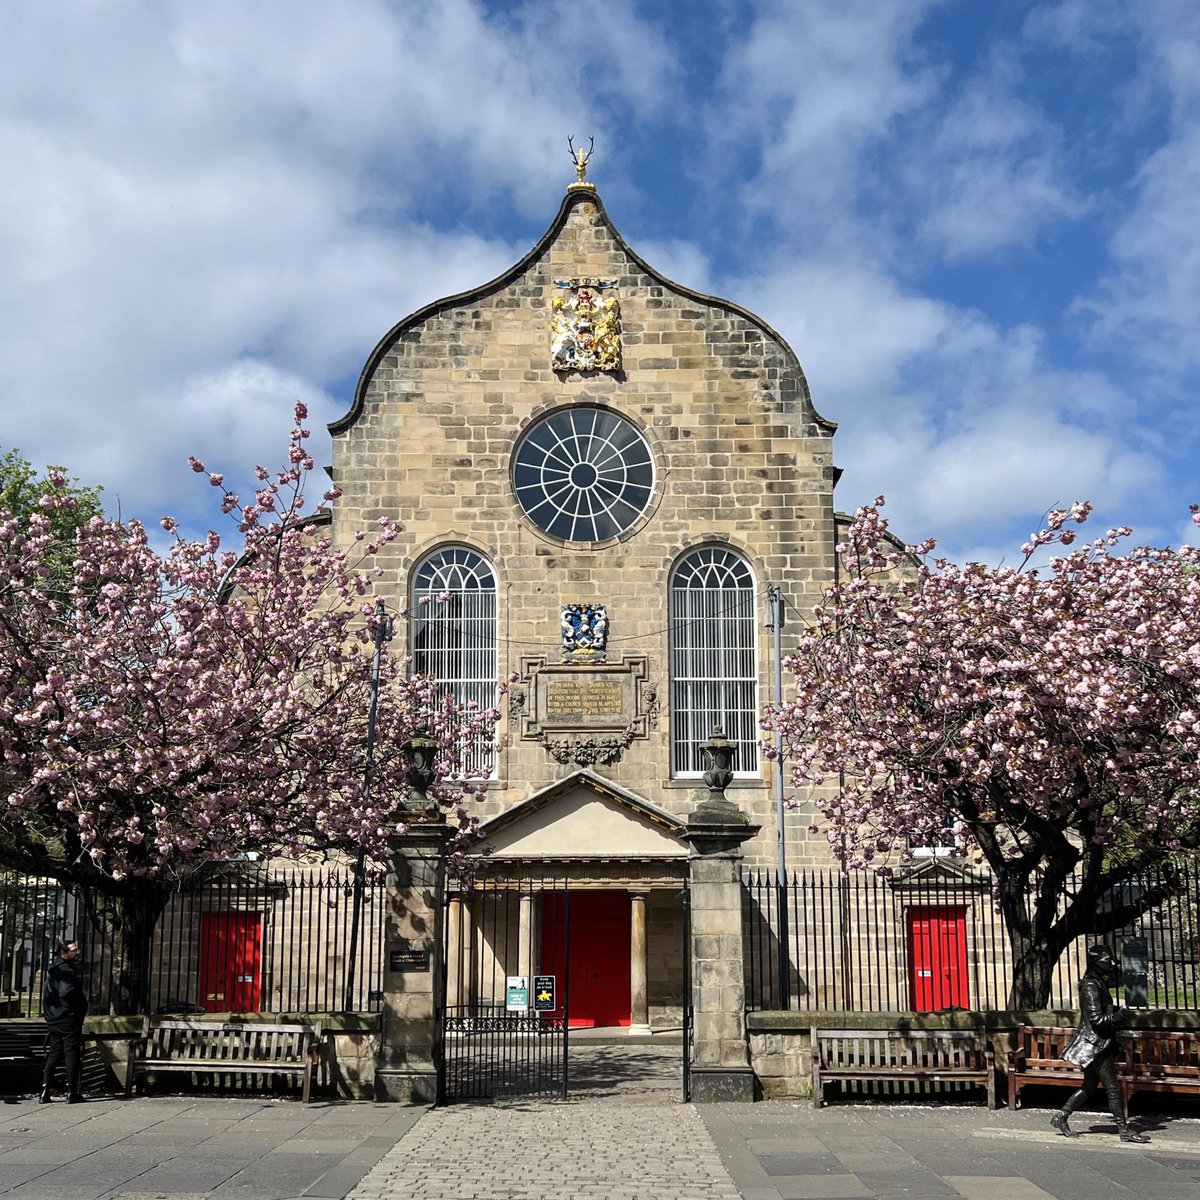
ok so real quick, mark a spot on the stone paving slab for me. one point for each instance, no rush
(173, 1148)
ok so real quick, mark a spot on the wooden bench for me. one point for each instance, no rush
(203, 1047)
(22, 1055)
(1037, 1058)
(922, 1056)
(1157, 1060)
(1148, 1060)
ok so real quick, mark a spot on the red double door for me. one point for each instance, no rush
(230, 961)
(598, 948)
(937, 956)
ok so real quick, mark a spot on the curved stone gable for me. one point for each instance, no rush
(581, 234)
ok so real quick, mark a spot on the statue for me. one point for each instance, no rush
(1094, 1046)
(581, 157)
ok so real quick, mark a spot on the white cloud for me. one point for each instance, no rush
(680, 261)
(990, 175)
(812, 86)
(1150, 301)
(962, 424)
(222, 207)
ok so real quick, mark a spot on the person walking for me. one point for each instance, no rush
(64, 1005)
(1094, 1046)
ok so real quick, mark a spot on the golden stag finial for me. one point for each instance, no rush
(581, 158)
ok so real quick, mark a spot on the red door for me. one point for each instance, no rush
(599, 953)
(230, 961)
(937, 956)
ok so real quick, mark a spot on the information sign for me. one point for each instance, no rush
(543, 993)
(516, 997)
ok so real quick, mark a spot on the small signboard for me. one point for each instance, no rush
(407, 957)
(516, 995)
(544, 993)
(1135, 968)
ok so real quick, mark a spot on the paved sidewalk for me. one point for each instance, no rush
(626, 1139)
(187, 1148)
(778, 1151)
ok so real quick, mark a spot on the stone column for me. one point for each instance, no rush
(715, 832)
(406, 1069)
(456, 951)
(639, 1009)
(525, 938)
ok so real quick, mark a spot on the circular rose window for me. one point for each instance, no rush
(583, 474)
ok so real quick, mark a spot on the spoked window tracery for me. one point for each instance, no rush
(583, 474)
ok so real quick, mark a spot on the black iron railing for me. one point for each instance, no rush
(242, 937)
(934, 940)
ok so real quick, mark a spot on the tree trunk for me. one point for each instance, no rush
(1033, 956)
(1032, 973)
(125, 925)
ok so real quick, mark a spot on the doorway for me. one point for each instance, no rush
(937, 957)
(600, 929)
(230, 961)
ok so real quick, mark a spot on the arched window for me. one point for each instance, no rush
(453, 625)
(714, 658)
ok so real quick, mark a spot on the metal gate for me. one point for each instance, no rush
(505, 1023)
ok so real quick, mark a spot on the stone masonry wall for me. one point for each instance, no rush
(741, 459)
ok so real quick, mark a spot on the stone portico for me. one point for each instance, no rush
(625, 866)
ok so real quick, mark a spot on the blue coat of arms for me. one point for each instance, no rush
(584, 632)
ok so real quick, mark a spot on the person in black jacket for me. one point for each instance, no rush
(64, 1005)
(1094, 1046)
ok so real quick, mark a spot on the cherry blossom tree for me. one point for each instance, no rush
(183, 707)
(1044, 720)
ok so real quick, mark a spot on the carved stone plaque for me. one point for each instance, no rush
(586, 700)
(586, 714)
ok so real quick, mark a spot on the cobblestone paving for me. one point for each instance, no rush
(553, 1151)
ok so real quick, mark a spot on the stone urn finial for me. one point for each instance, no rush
(717, 754)
(419, 753)
(717, 823)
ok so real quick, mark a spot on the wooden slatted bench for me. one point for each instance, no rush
(204, 1047)
(922, 1056)
(1037, 1058)
(1157, 1060)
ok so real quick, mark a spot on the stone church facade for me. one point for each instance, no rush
(598, 474)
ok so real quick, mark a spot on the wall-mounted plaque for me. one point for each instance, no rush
(586, 713)
(404, 956)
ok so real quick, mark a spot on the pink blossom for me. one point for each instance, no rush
(208, 700)
(1031, 718)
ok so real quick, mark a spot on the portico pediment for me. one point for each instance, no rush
(585, 816)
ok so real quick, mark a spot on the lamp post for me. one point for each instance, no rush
(384, 631)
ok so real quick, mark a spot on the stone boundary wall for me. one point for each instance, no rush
(781, 1042)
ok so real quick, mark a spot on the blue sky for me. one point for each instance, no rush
(974, 223)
